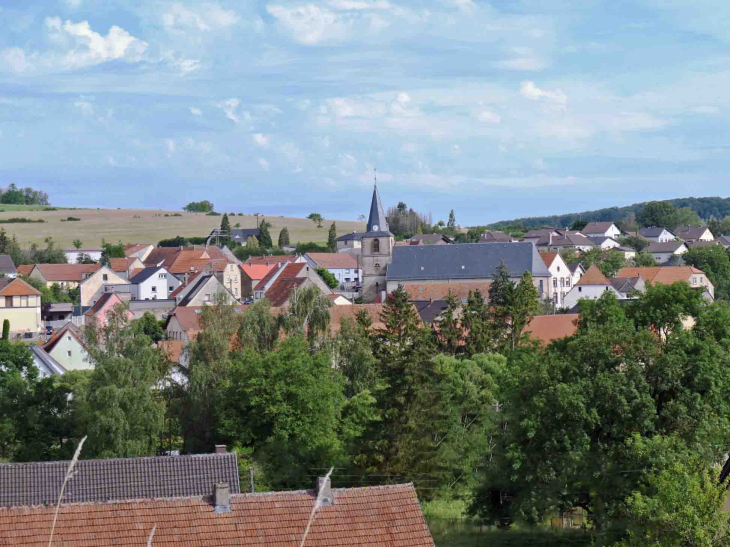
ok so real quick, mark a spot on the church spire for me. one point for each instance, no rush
(377, 221)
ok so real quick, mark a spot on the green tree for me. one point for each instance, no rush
(578, 224)
(110, 251)
(316, 218)
(265, 235)
(353, 356)
(715, 262)
(664, 308)
(452, 220)
(659, 213)
(50, 255)
(522, 307)
(17, 376)
(252, 242)
(479, 330)
(6, 329)
(635, 242)
(308, 314)
(126, 412)
(225, 228)
(686, 216)
(332, 238)
(199, 207)
(284, 237)
(328, 278)
(644, 260)
(611, 262)
(450, 334)
(501, 288)
(77, 243)
(149, 326)
(258, 329)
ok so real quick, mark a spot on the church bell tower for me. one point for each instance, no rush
(376, 251)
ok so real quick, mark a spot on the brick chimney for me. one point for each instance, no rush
(323, 489)
(220, 449)
(222, 498)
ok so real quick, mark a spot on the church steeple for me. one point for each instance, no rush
(377, 222)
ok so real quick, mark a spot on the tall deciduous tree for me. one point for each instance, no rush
(715, 262)
(126, 412)
(284, 237)
(308, 314)
(316, 218)
(258, 329)
(332, 238)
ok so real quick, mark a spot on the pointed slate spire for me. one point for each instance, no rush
(377, 221)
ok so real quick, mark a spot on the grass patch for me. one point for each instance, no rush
(213, 214)
(513, 538)
(20, 220)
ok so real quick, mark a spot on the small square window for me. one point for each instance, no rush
(105, 277)
(69, 353)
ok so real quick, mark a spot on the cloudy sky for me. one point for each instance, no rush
(496, 109)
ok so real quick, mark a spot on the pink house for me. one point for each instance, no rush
(104, 305)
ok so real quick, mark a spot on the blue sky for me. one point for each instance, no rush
(496, 110)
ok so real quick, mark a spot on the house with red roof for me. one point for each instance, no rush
(67, 347)
(344, 266)
(20, 304)
(281, 280)
(106, 303)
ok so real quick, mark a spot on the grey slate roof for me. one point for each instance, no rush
(652, 232)
(663, 247)
(119, 479)
(431, 238)
(597, 227)
(464, 261)
(429, 310)
(377, 215)
(6, 265)
(495, 237)
(53, 366)
(356, 236)
(145, 274)
(690, 232)
(242, 234)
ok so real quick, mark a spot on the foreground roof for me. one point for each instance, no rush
(593, 276)
(115, 479)
(16, 287)
(547, 328)
(66, 272)
(464, 261)
(439, 291)
(665, 275)
(597, 227)
(333, 260)
(381, 516)
(6, 265)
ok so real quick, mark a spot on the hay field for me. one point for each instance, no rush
(149, 226)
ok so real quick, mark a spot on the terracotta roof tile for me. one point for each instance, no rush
(333, 260)
(547, 328)
(163, 256)
(121, 264)
(665, 275)
(338, 313)
(25, 269)
(16, 287)
(67, 272)
(191, 278)
(131, 248)
(381, 516)
(271, 259)
(439, 291)
(548, 258)
(593, 276)
(99, 304)
(280, 291)
(256, 272)
(69, 328)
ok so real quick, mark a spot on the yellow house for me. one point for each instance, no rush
(21, 305)
(101, 281)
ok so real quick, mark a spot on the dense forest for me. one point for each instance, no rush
(706, 208)
(12, 195)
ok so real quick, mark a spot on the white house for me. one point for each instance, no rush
(576, 272)
(657, 235)
(694, 233)
(601, 229)
(46, 365)
(73, 255)
(591, 286)
(67, 348)
(154, 283)
(605, 242)
(344, 266)
(560, 281)
(663, 251)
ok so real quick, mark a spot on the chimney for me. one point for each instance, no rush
(220, 449)
(323, 489)
(222, 498)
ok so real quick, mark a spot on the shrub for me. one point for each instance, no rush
(21, 220)
(50, 209)
(213, 214)
(70, 219)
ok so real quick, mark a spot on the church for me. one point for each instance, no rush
(438, 269)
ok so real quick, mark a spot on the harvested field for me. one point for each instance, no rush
(150, 226)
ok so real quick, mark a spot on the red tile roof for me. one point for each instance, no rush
(99, 304)
(191, 278)
(547, 328)
(121, 264)
(69, 328)
(16, 287)
(593, 276)
(280, 291)
(25, 269)
(132, 248)
(333, 260)
(66, 272)
(664, 275)
(271, 259)
(439, 291)
(548, 258)
(381, 516)
(338, 313)
(264, 280)
(256, 272)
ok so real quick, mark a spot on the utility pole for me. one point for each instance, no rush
(250, 480)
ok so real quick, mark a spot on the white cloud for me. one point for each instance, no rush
(229, 107)
(310, 24)
(705, 109)
(88, 48)
(86, 108)
(522, 63)
(530, 91)
(16, 59)
(111, 161)
(359, 5)
(464, 5)
(636, 121)
(488, 116)
(196, 111)
(264, 164)
(186, 66)
(71, 4)
(207, 17)
(261, 140)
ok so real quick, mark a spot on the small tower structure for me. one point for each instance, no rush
(377, 251)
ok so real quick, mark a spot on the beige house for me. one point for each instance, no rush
(138, 250)
(20, 304)
(101, 281)
(67, 348)
(126, 267)
(66, 275)
(200, 290)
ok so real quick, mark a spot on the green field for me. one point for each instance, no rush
(10, 207)
(147, 226)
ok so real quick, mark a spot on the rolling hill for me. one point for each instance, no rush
(148, 226)
(706, 208)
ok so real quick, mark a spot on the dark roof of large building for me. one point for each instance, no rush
(464, 261)
(240, 235)
(377, 221)
(597, 227)
(430, 310)
(117, 479)
(378, 516)
(6, 265)
(354, 236)
(691, 232)
(664, 246)
(496, 237)
(432, 238)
